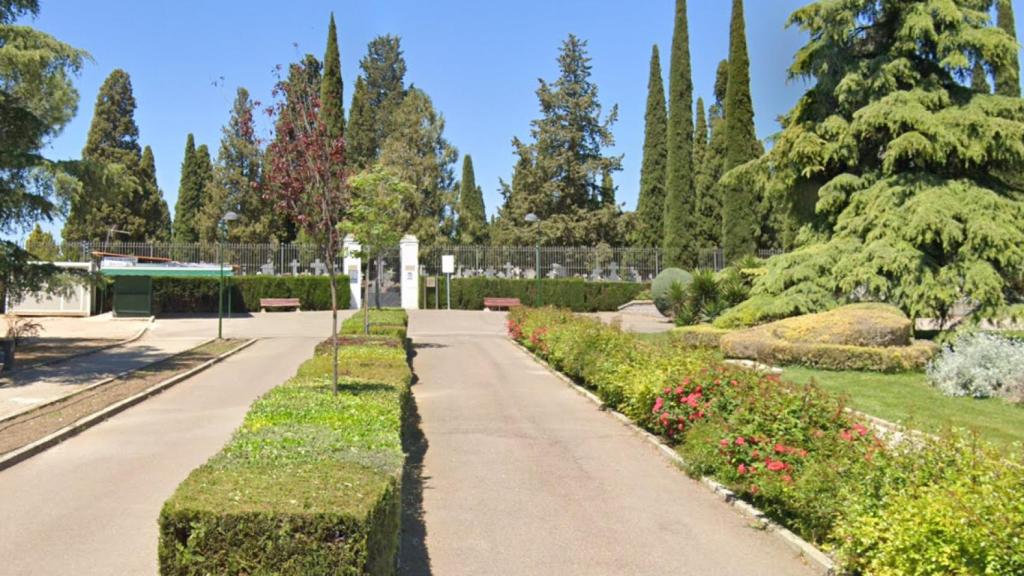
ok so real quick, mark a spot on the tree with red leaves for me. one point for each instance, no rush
(306, 178)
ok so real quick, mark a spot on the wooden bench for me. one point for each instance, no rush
(266, 303)
(501, 303)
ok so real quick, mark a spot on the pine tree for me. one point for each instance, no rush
(384, 75)
(153, 206)
(360, 136)
(190, 198)
(41, 246)
(472, 215)
(1008, 76)
(558, 175)
(113, 147)
(236, 181)
(911, 205)
(740, 225)
(332, 89)
(651, 203)
(679, 239)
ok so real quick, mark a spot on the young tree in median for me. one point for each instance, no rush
(332, 88)
(472, 214)
(1008, 73)
(740, 225)
(908, 202)
(306, 178)
(679, 237)
(378, 218)
(651, 204)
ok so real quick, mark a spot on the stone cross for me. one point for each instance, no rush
(508, 269)
(294, 265)
(490, 272)
(556, 271)
(613, 273)
(319, 268)
(268, 268)
(595, 276)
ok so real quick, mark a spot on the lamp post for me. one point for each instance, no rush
(229, 217)
(532, 218)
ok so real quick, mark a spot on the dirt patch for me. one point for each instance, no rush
(27, 428)
(44, 350)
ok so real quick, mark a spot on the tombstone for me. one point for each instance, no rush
(635, 275)
(294, 265)
(517, 273)
(508, 269)
(595, 276)
(268, 268)
(530, 274)
(613, 273)
(557, 271)
(319, 268)
(490, 272)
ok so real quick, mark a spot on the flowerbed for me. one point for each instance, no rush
(797, 454)
(310, 482)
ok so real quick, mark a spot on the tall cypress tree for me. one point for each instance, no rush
(190, 199)
(152, 205)
(979, 79)
(703, 189)
(332, 87)
(608, 189)
(111, 147)
(740, 227)
(1008, 77)
(651, 204)
(472, 216)
(680, 204)
(360, 137)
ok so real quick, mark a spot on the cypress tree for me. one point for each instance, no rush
(384, 74)
(680, 203)
(702, 186)
(189, 197)
(651, 204)
(153, 205)
(472, 215)
(1008, 77)
(112, 147)
(359, 141)
(979, 79)
(740, 227)
(607, 189)
(332, 87)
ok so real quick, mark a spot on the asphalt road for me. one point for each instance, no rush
(523, 476)
(90, 505)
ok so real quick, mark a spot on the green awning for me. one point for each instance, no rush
(167, 272)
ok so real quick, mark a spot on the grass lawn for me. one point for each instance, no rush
(909, 399)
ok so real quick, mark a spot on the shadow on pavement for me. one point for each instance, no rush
(413, 556)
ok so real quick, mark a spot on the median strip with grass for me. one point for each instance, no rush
(310, 483)
(28, 427)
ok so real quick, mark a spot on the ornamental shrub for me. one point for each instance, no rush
(662, 287)
(980, 365)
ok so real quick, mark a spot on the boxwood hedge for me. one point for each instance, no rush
(199, 295)
(310, 483)
(574, 294)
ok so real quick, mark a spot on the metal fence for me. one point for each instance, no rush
(600, 263)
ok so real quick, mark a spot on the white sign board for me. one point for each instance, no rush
(448, 264)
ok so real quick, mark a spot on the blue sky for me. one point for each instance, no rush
(479, 61)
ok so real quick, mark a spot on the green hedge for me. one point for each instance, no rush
(199, 295)
(574, 294)
(310, 483)
(931, 507)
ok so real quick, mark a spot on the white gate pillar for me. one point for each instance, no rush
(410, 276)
(353, 267)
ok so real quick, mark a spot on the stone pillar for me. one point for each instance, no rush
(410, 276)
(353, 267)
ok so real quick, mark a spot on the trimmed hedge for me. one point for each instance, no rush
(387, 322)
(574, 294)
(700, 336)
(310, 483)
(930, 507)
(199, 295)
(871, 337)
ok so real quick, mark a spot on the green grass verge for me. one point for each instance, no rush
(310, 482)
(908, 398)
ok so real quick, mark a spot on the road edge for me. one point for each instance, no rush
(86, 422)
(821, 561)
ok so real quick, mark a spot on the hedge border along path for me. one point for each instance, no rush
(822, 562)
(310, 483)
(575, 294)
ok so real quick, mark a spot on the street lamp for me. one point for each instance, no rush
(229, 217)
(532, 218)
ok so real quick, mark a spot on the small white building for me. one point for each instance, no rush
(78, 302)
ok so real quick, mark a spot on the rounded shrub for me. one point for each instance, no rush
(662, 287)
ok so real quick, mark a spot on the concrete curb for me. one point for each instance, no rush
(142, 331)
(821, 561)
(91, 420)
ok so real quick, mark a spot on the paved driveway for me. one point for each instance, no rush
(522, 476)
(90, 505)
